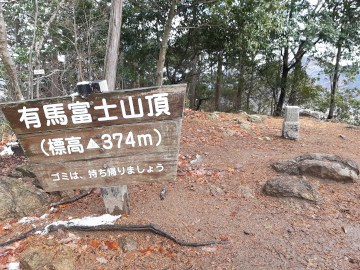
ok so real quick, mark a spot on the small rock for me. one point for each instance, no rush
(229, 132)
(246, 192)
(242, 112)
(102, 260)
(255, 119)
(246, 232)
(267, 138)
(217, 189)
(162, 194)
(342, 137)
(127, 243)
(212, 116)
(197, 161)
(245, 126)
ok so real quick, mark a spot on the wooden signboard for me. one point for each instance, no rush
(109, 139)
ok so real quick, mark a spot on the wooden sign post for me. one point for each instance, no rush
(108, 140)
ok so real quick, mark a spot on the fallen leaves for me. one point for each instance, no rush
(112, 245)
(95, 243)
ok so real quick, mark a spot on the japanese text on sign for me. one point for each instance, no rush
(109, 172)
(55, 113)
(67, 146)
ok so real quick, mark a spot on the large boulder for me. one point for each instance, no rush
(287, 186)
(18, 199)
(325, 166)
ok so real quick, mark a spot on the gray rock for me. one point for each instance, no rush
(291, 187)
(288, 166)
(241, 112)
(256, 119)
(34, 258)
(245, 126)
(212, 116)
(18, 199)
(229, 132)
(325, 166)
(127, 243)
(328, 170)
(310, 113)
(246, 192)
(199, 160)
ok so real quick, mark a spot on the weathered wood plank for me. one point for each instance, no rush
(117, 105)
(157, 167)
(113, 141)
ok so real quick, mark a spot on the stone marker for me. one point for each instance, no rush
(291, 125)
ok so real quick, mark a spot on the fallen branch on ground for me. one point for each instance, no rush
(82, 195)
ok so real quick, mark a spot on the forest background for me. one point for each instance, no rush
(250, 55)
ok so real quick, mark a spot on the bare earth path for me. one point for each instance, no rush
(220, 198)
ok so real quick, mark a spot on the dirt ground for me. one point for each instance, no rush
(221, 198)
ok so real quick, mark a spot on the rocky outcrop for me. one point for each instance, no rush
(287, 186)
(325, 166)
(18, 199)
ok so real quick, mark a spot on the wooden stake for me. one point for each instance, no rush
(116, 200)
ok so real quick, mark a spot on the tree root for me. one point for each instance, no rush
(147, 227)
(20, 237)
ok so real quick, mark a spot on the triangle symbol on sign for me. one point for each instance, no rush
(92, 145)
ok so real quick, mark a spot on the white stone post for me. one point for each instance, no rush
(291, 125)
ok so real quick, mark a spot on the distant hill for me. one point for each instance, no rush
(314, 70)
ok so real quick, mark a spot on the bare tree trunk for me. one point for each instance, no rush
(164, 44)
(79, 55)
(7, 60)
(249, 93)
(113, 43)
(31, 76)
(55, 77)
(240, 89)
(284, 76)
(116, 199)
(194, 76)
(39, 44)
(218, 83)
(335, 82)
